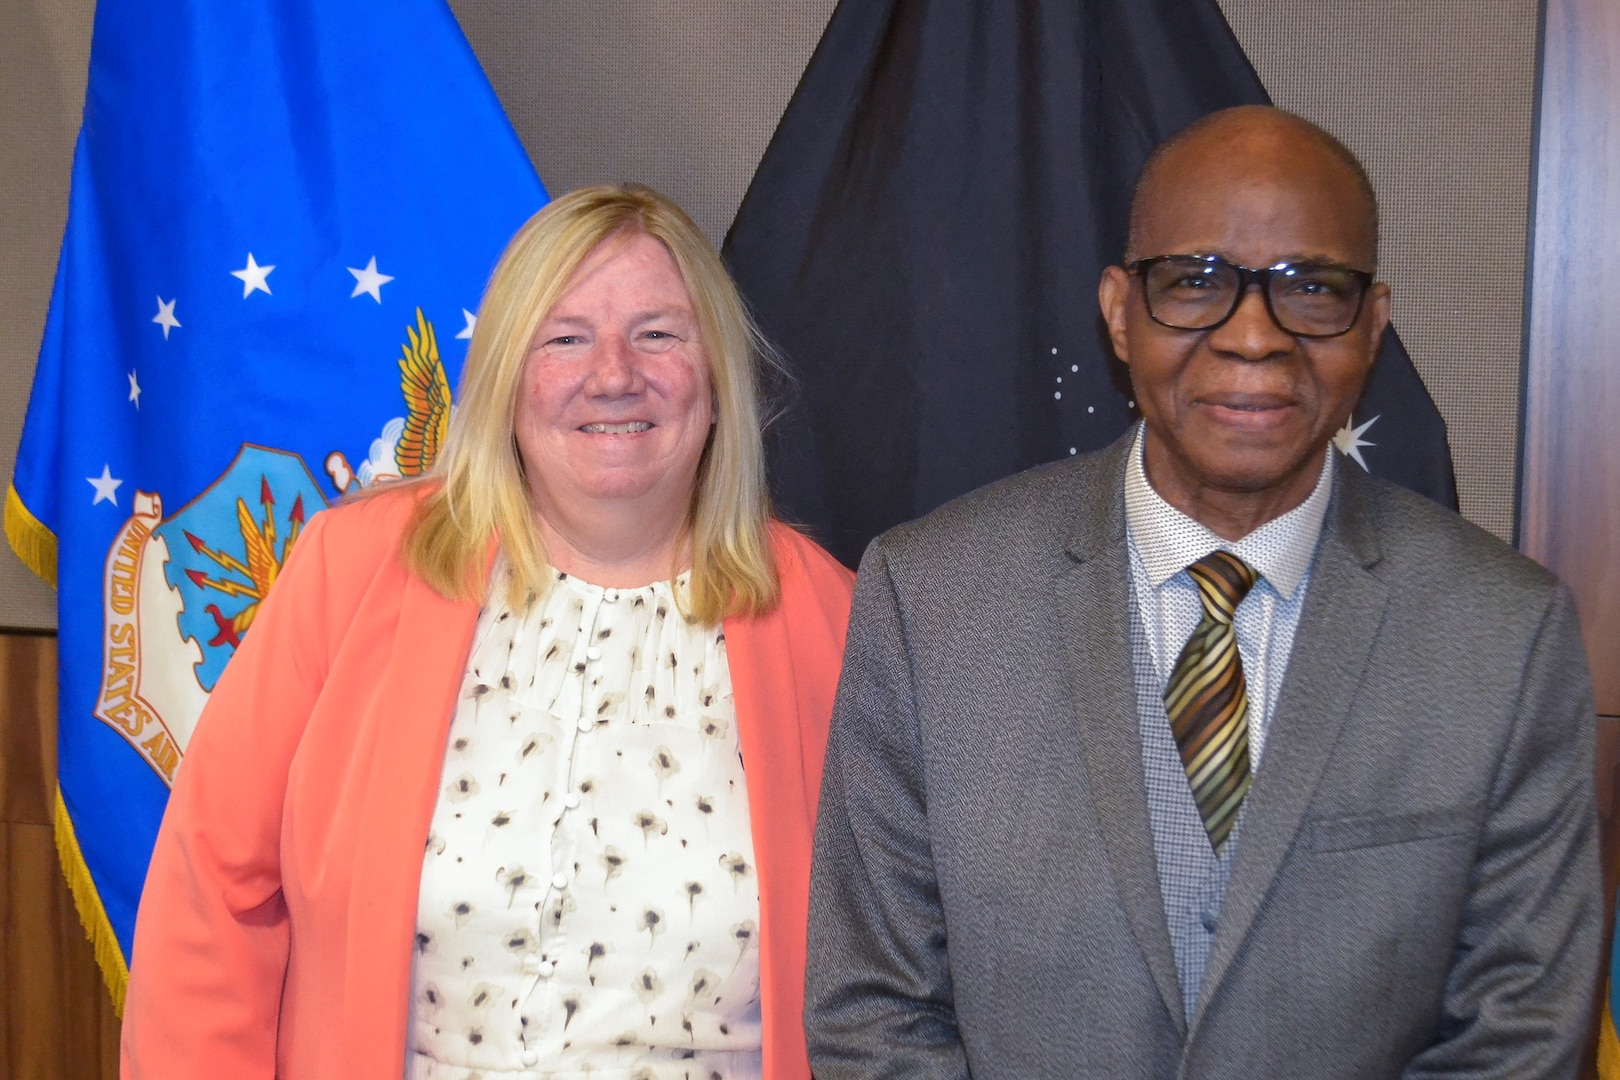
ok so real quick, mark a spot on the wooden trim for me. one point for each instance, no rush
(56, 1019)
(1570, 494)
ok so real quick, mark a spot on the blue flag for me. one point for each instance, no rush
(283, 214)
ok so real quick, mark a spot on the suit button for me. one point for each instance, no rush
(1208, 920)
(531, 1058)
(593, 653)
(559, 881)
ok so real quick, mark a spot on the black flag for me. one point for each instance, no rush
(924, 236)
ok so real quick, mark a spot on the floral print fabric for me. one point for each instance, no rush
(589, 906)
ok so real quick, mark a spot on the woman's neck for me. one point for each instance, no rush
(619, 546)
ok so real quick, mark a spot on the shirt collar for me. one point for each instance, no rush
(1169, 541)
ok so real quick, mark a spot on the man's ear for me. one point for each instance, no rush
(1377, 311)
(1113, 296)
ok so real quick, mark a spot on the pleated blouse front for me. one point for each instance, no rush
(589, 906)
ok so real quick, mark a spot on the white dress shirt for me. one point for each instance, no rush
(1164, 542)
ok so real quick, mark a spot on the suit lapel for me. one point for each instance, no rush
(409, 721)
(1093, 599)
(1337, 628)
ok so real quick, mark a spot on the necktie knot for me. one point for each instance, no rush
(1223, 581)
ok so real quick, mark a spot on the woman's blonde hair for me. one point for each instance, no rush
(476, 490)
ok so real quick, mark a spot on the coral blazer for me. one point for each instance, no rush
(274, 934)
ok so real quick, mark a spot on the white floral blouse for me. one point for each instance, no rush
(589, 906)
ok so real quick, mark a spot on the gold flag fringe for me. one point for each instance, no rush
(109, 956)
(34, 544)
(1608, 1055)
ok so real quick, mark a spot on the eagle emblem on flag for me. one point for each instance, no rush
(181, 592)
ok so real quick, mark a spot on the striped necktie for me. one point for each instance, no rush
(1207, 700)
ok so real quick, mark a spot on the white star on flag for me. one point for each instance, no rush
(134, 390)
(369, 281)
(254, 277)
(106, 487)
(165, 316)
(1350, 442)
(472, 321)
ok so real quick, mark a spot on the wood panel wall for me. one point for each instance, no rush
(56, 1018)
(1569, 513)
(1570, 497)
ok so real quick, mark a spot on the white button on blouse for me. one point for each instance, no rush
(588, 904)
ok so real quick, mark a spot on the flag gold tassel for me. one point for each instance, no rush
(1608, 1054)
(34, 544)
(109, 955)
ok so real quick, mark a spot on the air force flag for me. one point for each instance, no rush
(283, 213)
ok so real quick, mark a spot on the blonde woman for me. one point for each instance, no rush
(515, 774)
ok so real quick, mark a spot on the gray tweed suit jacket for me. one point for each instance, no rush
(1416, 892)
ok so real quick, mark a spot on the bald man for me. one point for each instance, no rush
(1209, 755)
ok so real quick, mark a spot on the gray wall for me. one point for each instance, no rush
(1437, 97)
(683, 95)
(44, 47)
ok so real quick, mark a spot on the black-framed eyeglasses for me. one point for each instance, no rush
(1200, 292)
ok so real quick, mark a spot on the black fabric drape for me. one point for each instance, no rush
(924, 236)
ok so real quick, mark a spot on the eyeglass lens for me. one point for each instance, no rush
(1311, 300)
